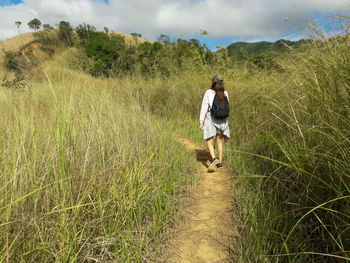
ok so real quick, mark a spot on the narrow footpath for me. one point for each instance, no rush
(207, 232)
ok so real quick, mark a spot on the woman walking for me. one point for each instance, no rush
(213, 119)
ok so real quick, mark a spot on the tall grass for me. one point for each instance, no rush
(289, 152)
(92, 172)
(87, 174)
(293, 150)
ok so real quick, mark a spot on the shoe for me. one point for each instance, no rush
(212, 165)
(219, 166)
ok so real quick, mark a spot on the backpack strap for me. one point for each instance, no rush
(211, 106)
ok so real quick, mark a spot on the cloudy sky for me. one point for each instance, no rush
(226, 21)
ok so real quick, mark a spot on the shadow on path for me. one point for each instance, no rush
(203, 157)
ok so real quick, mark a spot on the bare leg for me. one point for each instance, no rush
(210, 143)
(219, 139)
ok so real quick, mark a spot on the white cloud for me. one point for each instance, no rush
(245, 19)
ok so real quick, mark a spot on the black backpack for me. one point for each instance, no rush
(220, 109)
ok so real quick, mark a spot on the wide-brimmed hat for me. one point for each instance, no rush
(217, 77)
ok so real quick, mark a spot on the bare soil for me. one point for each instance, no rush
(207, 232)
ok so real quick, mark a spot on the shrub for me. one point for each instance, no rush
(65, 33)
(11, 62)
(105, 50)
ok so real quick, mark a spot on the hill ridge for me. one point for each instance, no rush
(280, 46)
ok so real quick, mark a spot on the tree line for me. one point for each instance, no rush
(34, 24)
(104, 53)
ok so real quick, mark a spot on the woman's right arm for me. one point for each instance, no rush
(204, 108)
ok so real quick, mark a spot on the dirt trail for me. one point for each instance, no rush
(207, 233)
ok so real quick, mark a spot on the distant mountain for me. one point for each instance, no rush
(250, 49)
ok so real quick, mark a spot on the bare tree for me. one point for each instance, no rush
(18, 24)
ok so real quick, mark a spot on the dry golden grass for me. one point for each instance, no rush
(15, 43)
(84, 182)
(129, 38)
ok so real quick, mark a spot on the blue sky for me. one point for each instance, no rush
(16, 2)
(10, 2)
(226, 21)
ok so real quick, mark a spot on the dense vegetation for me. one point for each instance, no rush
(81, 182)
(264, 55)
(289, 153)
(109, 54)
(293, 131)
(263, 47)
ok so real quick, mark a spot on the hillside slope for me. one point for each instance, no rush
(14, 44)
(27, 48)
(279, 47)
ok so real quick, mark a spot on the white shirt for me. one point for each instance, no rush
(207, 103)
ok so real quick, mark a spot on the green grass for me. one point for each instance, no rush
(293, 132)
(92, 170)
(88, 174)
(288, 154)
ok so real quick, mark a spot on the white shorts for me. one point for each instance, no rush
(214, 126)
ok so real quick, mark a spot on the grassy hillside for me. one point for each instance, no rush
(30, 49)
(288, 153)
(292, 138)
(92, 170)
(13, 45)
(81, 182)
(250, 49)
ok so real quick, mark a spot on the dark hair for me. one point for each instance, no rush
(218, 87)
